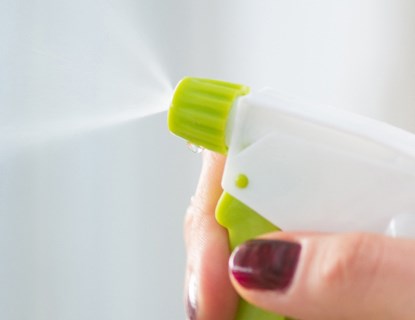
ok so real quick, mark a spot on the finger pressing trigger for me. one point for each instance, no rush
(209, 293)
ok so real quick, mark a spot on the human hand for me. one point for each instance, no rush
(301, 275)
(208, 290)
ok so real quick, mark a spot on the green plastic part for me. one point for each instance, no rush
(243, 224)
(200, 109)
(241, 181)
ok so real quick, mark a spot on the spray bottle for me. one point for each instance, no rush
(298, 165)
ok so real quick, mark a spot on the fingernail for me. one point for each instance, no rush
(191, 304)
(265, 264)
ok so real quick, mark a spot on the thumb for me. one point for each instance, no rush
(328, 276)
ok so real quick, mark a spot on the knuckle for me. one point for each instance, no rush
(189, 221)
(350, 261)
(189, 216)
(195, 221)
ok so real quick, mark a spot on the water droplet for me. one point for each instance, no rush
(194, 148)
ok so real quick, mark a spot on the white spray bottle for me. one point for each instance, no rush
(296, 165)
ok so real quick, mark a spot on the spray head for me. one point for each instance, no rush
(199, 111)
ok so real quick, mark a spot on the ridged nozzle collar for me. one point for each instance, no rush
(200, 109)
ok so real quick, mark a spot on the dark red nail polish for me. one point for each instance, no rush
(265, 264)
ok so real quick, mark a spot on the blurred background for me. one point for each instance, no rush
(93, 188)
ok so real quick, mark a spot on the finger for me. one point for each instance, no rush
(322, 276)
(209, 292)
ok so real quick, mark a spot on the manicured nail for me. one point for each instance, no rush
(191, 304)
(265, 264)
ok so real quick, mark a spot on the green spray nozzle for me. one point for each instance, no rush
(200, 109)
